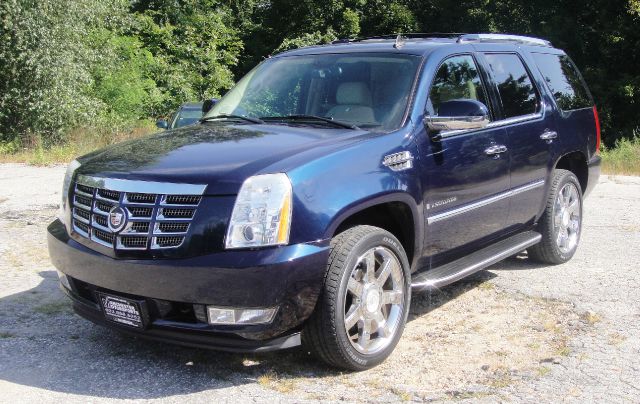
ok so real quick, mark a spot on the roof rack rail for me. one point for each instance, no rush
(525, 40)
(408, 35)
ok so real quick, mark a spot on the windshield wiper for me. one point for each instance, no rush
(310, 118)
(231, 116)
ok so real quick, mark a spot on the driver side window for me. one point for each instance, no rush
(456, 78)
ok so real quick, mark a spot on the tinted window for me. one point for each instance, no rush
(457, 78)
(564, 81)
(514, 85)
(368, 90)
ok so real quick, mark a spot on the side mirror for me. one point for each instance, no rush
(162, 124)
(208, 104)
(459, 115)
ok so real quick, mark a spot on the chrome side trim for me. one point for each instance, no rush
(484, 202)
(527, 187)
(143, 187)
(514, 120)
(495, 124)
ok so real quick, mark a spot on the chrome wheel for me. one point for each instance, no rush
(374, 300)
(566, 218)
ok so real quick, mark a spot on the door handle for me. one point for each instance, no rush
(495, 150)
(549, 135)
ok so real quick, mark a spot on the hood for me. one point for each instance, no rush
(219, 155)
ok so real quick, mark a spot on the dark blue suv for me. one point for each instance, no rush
(328, 184)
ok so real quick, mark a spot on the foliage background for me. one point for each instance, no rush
(69, 67)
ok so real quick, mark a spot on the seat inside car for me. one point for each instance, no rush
(354, 102)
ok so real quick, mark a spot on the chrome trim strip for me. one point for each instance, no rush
(494, 124)
(484, 202)
(142, 187)
(514, 120)
(528, 187)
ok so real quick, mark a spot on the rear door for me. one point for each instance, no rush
(575, 106)
(526, 114)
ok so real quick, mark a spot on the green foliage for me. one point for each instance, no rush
(624, 158)
(67, 65)
(46, 64)
(314, 38)
(195, 45)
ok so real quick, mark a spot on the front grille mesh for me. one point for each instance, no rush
(155, 221)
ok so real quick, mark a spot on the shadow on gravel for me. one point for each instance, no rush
(520, 262)
(44, 345)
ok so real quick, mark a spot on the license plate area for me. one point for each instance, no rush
(123, 311)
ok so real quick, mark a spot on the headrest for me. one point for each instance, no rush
(353, 93)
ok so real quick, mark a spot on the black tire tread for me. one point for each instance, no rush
(319, 335)
(545, 251)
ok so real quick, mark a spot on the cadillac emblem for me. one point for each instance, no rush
(117, 219)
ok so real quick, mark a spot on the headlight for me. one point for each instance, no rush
(63, 213)
(262, 213)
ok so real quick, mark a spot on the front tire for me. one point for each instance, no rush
(365, 300)
(561, 222)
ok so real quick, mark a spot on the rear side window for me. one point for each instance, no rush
(518, 95)
(564, 81)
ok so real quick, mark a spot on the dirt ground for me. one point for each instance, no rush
(517, 332)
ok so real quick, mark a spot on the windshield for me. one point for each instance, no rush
(186, 117)
(366, 90)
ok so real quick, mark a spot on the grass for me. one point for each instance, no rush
(624, 158)
(591, 317)
(79, 142)
(272, 381)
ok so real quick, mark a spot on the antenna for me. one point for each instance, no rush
(400, 40)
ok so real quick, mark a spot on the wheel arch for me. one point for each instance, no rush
(576, 162)
(398, 213)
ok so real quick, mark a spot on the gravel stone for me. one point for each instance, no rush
(518, 332)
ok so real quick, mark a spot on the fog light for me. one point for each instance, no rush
(64, 281)
(226, 315)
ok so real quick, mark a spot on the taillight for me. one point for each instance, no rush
(595, 115)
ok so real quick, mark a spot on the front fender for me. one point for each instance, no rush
(329, 190)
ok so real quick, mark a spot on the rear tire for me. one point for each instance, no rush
(364, 303)
(561, 222)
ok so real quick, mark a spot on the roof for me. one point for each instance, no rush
(416, 43)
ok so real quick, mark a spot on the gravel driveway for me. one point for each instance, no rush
(517, 332)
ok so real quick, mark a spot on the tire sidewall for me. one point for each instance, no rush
(380, 238)
(568, 178)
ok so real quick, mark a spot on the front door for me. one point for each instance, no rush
(465, 184)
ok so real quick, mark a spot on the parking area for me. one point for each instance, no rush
(516, 332)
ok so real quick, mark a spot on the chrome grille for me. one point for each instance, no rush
(155, 220)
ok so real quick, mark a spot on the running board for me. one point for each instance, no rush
(462, 267)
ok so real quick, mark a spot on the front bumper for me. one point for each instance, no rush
(289, 278)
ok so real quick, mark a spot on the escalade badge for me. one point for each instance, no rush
(117, 219)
